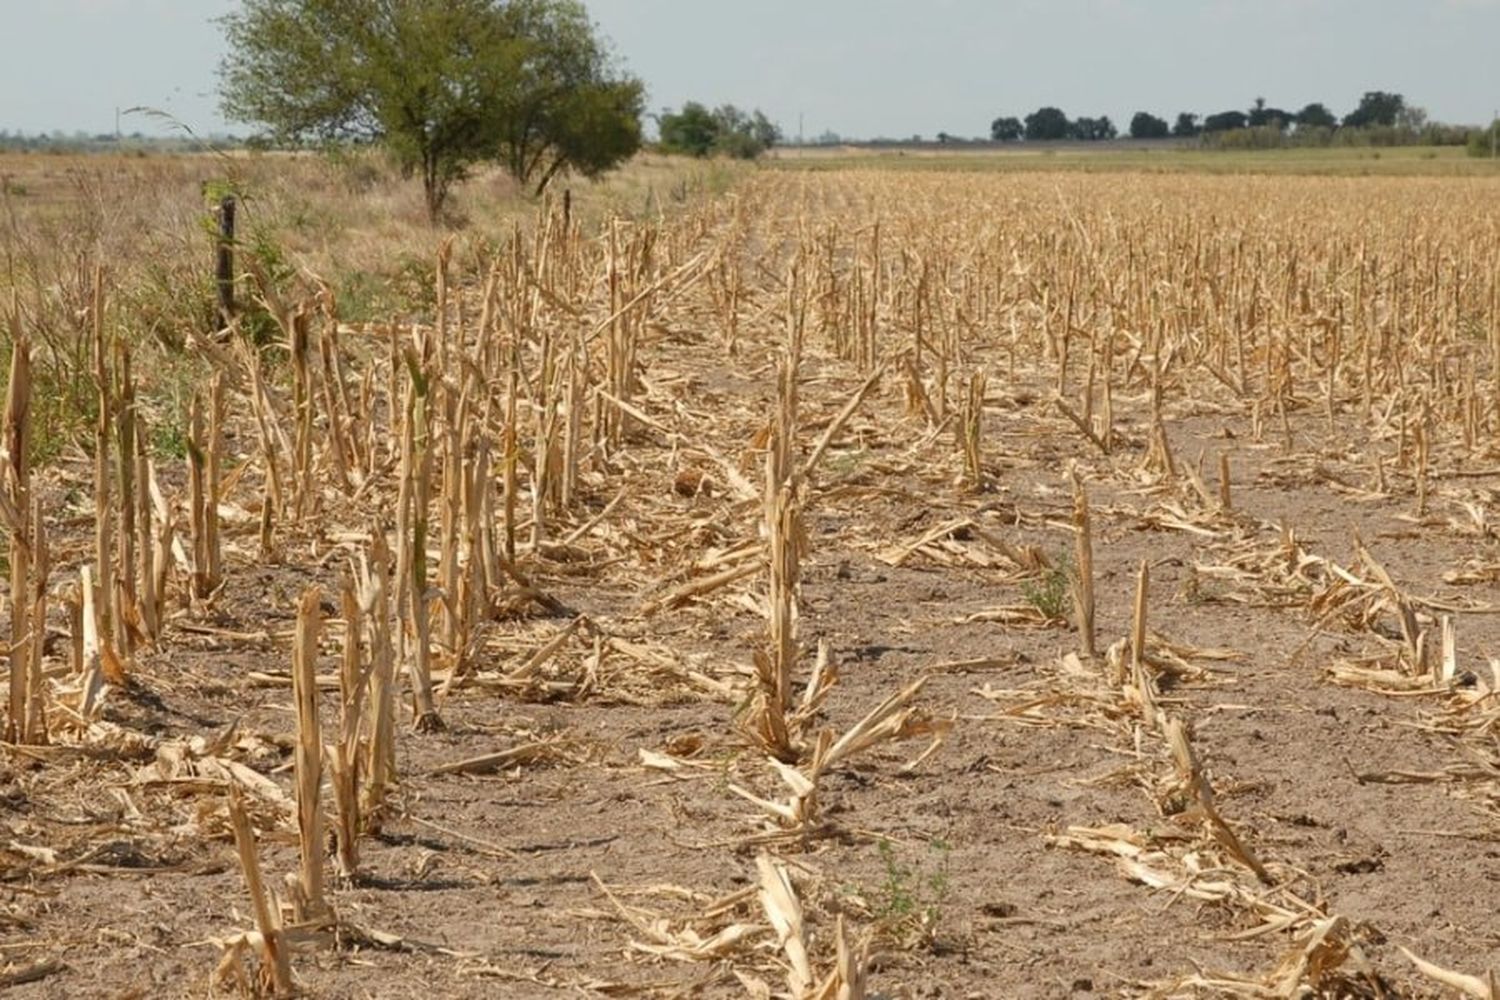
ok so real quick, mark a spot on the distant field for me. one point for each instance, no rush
(1444, 161)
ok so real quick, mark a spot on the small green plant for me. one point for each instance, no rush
(362, 296)
(1051, 592)
(844, 463)
(168, 440)
(64, 405)
(908, 905)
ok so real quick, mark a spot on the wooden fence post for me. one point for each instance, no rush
(224, 263)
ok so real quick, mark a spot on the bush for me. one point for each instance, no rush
(724, 131)
(1483, 142)
(1259, 137)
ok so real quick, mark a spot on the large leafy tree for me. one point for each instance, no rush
(1093, 129)
(1186, 125)
(444, 84)
(1316, 115)
(1145, 125)
(1262, 116)
(1226, 121)
(726, 131)
(1047, 123)
(1376, 107)
(1006, 129)
(692, 130)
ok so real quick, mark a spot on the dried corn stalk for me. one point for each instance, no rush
(17, 490)
(375, 610)
(275, 963)
(308, 901)
(344, 769)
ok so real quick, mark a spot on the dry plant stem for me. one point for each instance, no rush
(35, 728)
(272, 442)
(103, 519)
(577, 396)
(1077, 421)
(204, 448)
(353, 679)
(91, 654)
(125, 590)
(161, 546)
(784, 911)
(277, 963)
(308, 758)
(1140, 678)
(1138, 619)
(213, 550)
(340, 449)
(375, 610)
(452, 409)
(1191, 774)
(783, 541)
(197, 456)
(469, 589)
(1083, 582)
(544, 445)
(17, 490)
(866, 387)
(512, 457)
(1487, 988)
(305, 490)
(74, 603)
(149, 612)
(971, 428)
(411, 556)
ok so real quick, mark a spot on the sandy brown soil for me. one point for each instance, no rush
(1370, 807)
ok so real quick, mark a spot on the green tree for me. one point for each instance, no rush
(1047, 123)
(1376, 107)
(725, 131)
(1226, 121)
(767, 133)
(1006, 129)
(1186, 126)
(1485, 142)
(444, 84)
(1316, 115)
(742, 135)
(1262, 116)
(568, 109)
(1093, 129)
(1144, 125)
(691, 130)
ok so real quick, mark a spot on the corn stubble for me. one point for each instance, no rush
(473, 454)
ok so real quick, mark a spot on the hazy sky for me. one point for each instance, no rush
(858, 67)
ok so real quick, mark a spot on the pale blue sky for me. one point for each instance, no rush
(858, 67)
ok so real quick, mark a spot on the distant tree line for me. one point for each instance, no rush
(1381, 118)
(1051, 123)
(77, 141)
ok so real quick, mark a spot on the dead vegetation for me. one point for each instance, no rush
(599, 475)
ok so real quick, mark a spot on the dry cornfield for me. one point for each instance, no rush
(862, 583)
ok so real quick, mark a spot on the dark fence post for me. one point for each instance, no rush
(224, 264)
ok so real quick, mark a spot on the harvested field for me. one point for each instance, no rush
(859, 584)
